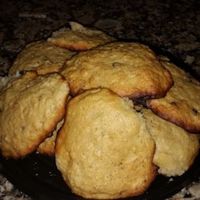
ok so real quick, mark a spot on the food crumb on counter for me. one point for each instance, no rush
(8, 192)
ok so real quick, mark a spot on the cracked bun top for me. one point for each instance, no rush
(128, 69)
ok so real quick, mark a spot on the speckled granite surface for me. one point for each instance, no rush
(170, 25)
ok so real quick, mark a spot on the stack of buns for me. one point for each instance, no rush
(76, 96)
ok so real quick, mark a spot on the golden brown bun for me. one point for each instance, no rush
(181, 105)
(79, 38)
(104, 150)
(129, 69)
(41, 56)
(31, 106)
(176, 149)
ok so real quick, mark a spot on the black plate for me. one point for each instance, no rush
(37, 176)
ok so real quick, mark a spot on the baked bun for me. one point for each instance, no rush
(176, 149)
(42, 57)
(31, 106)
(128, 69)
(181, 105)
(104, 150)
(79, 37)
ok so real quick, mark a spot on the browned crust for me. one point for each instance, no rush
(181, 104)
(153, 94)
(160, 111)
(79, 46)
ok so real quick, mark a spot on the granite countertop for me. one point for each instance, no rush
(169, 25)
